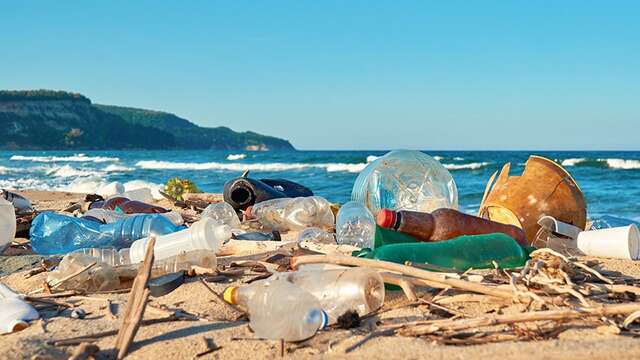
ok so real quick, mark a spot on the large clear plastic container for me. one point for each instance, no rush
(355, 226)
(337, 290)
(294, 213)
(405, 180)
(280, 310)
(222, 212)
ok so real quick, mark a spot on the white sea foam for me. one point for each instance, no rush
(572, 161)
(372, 158)
(74, 158)
(470, 166)
(233, 157)
(458, 158)
(69, 171)
(622, 163)
(117, 168)
(330, 167)
(438, 157)
(140, 184)
(24, 183)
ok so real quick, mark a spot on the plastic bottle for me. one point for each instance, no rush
(281, 310)
(293, 213)
(405, 180)
(355, 226)
(100, 277)
(222, 212)
(180, 262)
(462, 253)
(109, 216)
(204, 234)
(337, 290)
(316, 235)
(444, 224)
(243, 192)
(21, 204)
(53, 233)
(127, 206)
(14, 312)
(7, 223)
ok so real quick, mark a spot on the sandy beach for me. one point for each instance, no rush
(184, 339)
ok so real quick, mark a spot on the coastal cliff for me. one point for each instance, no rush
(45, 119)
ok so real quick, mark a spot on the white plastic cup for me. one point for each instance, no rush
(619, 243)
(206, 234)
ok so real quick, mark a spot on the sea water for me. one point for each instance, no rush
(610, 180)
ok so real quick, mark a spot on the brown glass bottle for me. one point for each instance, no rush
(128, 206)
(444, 224)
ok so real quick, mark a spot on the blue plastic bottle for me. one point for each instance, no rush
(52, 233)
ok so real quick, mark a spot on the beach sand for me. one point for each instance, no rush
(185, 339)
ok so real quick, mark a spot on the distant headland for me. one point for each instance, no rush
(48, 119)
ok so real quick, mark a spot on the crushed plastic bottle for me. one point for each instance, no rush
(100, 277)
(222, 212)
(7, 223)
(316, 235)
(53, 233)
(355, 226)
(293, 213)
(280, 310)
(405, 180)
(337, 290)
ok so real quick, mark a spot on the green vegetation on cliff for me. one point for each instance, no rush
(46, 119)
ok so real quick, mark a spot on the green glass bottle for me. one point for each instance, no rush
(386, 237)
(461, 253)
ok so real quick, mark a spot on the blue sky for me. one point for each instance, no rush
(348, 74)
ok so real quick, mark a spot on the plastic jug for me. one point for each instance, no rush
(53, 233)
(405, 180)
(462, 253)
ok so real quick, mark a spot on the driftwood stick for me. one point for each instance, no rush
(429, 327)
(136, 303)
(85, 351)
(71, 276)
(405, 270)
(401, 281)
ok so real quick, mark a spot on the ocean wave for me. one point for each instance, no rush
(74, 158)
(330, 167)
(233, 157)
(612, 163)
(69, 171)
(117, 168)
(458, 158)
(372, 158)
(439, 158)
(469, 166)
(24, 183)
(91, 184)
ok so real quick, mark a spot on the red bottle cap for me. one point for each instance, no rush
(386, 218)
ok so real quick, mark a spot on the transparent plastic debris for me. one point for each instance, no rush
(52, 233)
(222, 212)
(355, 226)
(608, 221)
(316, 235)
(15, 313)
(109, 216)
(337, 289)
(21, 204)
(142, 194)
(405, 180)
(281, 310)
(294, 213)
(99, 277)
(111, 189)
(7, 223)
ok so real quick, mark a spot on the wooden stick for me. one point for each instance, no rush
(405, 270)
(401, 281)
(85, 351)
(71, 276)
(421, 328)
(136, 303)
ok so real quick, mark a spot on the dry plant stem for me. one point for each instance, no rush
(401, 281)
(136, 303)
(71, 276)
(405, 270)
(429, 327)
(630, 319)
(616, 288)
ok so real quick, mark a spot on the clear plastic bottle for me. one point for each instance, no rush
(355, 226)
(280, 310)
(293, 213)
(222, 212)
(405, 180)
(100, 277)
(337, 290)
(316, 235)
(109, 216)
(53, 233)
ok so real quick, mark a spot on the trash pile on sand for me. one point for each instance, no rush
(300, 265)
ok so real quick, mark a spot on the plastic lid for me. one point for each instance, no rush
(247, 212)
(386, 218)
(230, 294)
